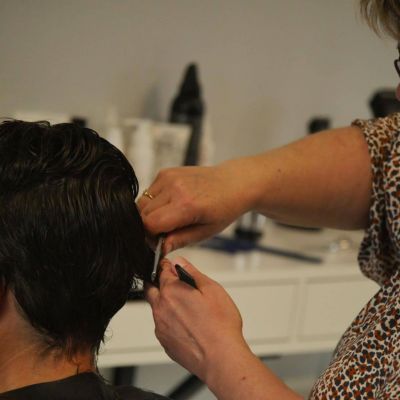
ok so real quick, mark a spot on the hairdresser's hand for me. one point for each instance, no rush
(193, 203)
(201, 329)
(323, 180)
(198, 328)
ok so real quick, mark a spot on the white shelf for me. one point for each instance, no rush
(287, 306)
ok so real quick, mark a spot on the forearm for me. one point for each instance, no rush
(237, 375)
(322, 180)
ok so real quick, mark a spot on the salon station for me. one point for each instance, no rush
(181, 83)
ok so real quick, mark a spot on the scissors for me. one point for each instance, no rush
(157, 257)
(183, 275)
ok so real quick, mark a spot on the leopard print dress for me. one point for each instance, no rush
(366, 362)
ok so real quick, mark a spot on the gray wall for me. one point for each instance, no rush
(267, 66)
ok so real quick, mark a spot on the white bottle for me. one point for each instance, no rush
(207, 144)
(140, 151)
(113, 131)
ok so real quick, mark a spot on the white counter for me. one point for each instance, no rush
(287, 306)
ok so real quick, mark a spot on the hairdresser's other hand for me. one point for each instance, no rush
(197, 327)
(193, 203)
(201, 329)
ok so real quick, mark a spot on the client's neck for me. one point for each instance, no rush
(23, 361)
(26, 367)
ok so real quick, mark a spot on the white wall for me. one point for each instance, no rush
(267, 66)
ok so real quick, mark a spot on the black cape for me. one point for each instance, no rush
(85, 386)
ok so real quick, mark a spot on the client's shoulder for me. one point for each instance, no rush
(133, 393)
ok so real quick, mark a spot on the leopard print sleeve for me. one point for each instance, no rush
(379, 251)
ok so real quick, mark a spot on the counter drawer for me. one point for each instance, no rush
(267, 313)
(267, 310)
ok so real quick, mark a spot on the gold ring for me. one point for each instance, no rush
(148, 194)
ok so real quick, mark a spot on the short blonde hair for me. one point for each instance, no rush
(383, 16)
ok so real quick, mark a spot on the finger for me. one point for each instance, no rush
(167, 276)
(141, 203)
(154, 190)
(165, 264)
(184, 236)
(168, 218)
(151, 294)
(158, 202)
(144, 201)
(161, 180)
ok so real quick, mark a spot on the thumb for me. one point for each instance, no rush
(185, 236)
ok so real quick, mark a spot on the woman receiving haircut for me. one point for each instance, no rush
(346, 178)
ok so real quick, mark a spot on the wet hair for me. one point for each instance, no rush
(383, 16)
(71, 238)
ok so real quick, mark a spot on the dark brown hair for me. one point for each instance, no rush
(383, 16)
(72, 240)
